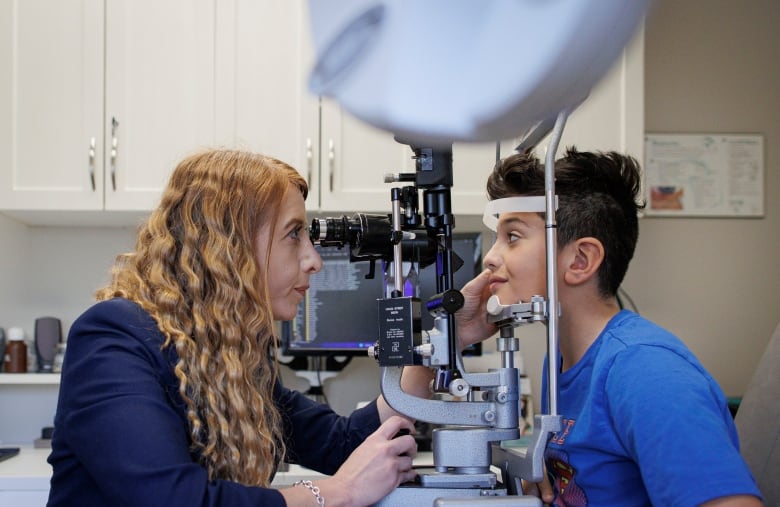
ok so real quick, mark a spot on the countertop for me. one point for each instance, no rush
(29, 471)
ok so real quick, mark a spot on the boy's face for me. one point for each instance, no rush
(517, 259)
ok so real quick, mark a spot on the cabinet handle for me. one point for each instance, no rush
(114, 149)
(309, 160)
(331, 160)
(92, 162)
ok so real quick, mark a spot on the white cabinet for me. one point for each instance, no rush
(102, 98)
(264, 57)
(160, 87)
(51, 105)
(271, 111)
(612, 117)
(354, 159)
(356, 156)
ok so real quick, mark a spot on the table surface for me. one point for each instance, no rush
(29, 471)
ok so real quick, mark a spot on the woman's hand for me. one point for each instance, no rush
(375, 468)
(471, 320)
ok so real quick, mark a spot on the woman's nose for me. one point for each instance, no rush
(312, 262)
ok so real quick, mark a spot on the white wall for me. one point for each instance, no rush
(47, 271)
(713, 66)
(12, 239)
(55, 270)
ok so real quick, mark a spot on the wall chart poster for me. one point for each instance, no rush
(704, 175)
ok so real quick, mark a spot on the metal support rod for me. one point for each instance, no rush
(551, 229)
(397, 260)
(506, 345)
(508, 359)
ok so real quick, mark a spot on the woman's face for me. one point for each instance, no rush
(517, 259)
(292, 259)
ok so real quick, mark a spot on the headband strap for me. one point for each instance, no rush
(533, 203)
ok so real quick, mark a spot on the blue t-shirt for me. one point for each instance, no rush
(643, 423)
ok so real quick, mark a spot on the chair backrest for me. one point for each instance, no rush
(758, 422)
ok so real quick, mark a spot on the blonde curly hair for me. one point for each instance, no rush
(195, 270)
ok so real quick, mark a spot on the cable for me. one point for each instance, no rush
(625, 294)
(318, 367)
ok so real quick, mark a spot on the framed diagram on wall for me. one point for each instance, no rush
(704, 175)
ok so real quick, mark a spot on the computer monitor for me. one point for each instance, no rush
(338, 316)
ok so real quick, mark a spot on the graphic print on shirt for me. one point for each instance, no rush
(562, 477)
(560, 436)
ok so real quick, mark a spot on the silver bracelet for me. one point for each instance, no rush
(315, 490)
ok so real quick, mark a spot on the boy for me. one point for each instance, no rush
(642, 421)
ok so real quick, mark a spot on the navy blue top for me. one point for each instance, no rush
(121, 436)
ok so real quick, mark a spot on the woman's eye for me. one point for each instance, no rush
(512, 237)
(295, 233)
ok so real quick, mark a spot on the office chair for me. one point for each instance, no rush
(758, 422)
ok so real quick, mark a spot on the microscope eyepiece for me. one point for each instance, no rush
(372, 237)
(366, 235)
(330, 231)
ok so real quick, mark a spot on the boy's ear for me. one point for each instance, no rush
(584, 257)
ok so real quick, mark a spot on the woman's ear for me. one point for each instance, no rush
(584, 256)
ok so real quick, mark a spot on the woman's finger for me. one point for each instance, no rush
(393, 425)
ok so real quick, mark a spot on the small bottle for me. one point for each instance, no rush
(32, 359)
(16, 351)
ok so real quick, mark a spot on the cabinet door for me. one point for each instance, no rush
(354, 159)
(471, 165)
(612, 117)
(51, 105)
(160, 94)
(272, 112)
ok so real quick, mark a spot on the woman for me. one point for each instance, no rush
(169, 393)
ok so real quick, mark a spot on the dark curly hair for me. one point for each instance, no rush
(598, 196)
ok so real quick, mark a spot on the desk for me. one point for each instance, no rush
(24, 479)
